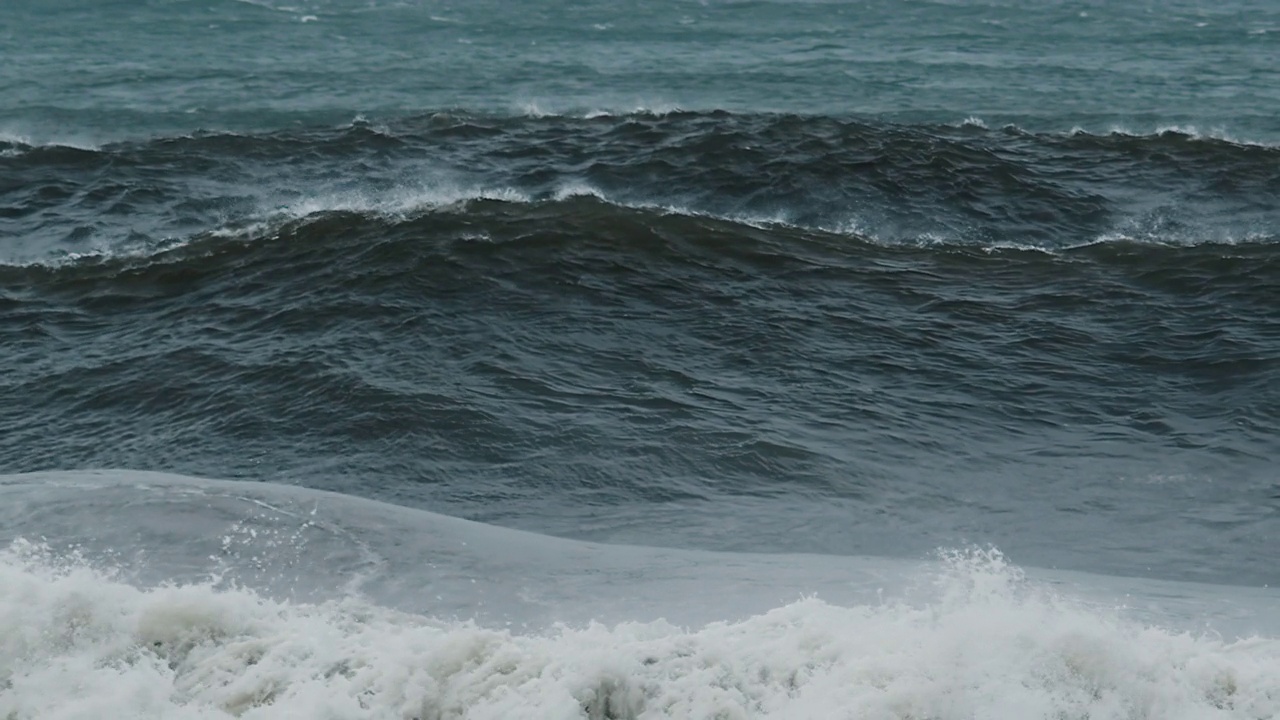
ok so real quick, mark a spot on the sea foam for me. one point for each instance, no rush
(77, 643)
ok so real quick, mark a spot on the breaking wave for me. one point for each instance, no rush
(74, 642)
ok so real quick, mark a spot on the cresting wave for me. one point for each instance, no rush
(420, 208)
(17, 142)
(397, 253)
(764, 311)
(893, 184)
(317, 341)
(76, 643)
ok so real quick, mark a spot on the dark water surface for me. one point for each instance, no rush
(858, 280)
(759, 332)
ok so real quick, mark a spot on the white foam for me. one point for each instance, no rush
(76, 643)
(531, 108)
(1192, 132)
(537, 109)
(579, 189)
(14, 138)
(407, 201)
(398, 203)
(654, 110)
(25, 140)
(760, 221)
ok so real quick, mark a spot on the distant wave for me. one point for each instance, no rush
(542, 109)
(407, 203)
(412, 207)
(14, 144)
(893, 185)
(34, 137)
(1190, 133)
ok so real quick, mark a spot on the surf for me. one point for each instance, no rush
(194, 598)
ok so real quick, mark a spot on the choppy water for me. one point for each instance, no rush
(791, 294)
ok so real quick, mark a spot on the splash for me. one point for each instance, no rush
(77, 643)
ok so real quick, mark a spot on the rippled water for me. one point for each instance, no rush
(754, 332)
(854, 281)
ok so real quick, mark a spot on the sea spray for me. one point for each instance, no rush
(75, 643)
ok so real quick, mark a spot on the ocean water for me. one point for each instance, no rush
(893, 359)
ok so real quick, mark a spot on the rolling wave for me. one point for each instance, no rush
(614, 327)
(424, 212)
(895, 184)
(547, 346)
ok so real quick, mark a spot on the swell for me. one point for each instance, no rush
(582, 368)
(501, 229)
(893, 183)
(691, 326)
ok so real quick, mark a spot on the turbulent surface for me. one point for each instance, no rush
(968, 636)
(84, 645)
(638, 360)
(759, 332)
(160, 68)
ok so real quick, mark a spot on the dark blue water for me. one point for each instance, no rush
(853, 279)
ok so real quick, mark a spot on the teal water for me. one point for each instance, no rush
(92, 71)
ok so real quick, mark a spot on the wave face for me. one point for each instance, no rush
(976, 637)
(742, 332)
(894, 184)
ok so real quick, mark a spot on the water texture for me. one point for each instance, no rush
(723, 359)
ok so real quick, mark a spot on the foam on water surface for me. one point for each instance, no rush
(967, 637)
(305, 545)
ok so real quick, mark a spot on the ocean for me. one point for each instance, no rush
(898, 359)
